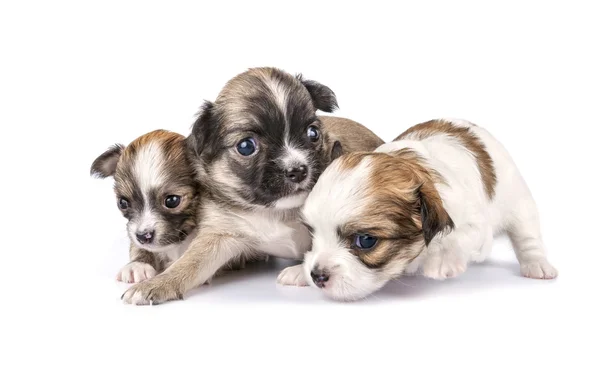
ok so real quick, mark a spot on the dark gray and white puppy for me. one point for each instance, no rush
(259, 149)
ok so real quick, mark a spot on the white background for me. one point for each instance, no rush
(77, 77)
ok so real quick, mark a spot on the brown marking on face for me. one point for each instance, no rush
(467, 138)
(404, 210)
(239, 99)
(172, 144)
(178, 179)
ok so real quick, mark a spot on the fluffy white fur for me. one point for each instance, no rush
(339, 196)
(148, 171)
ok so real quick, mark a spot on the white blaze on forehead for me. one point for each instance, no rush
(280, 93)
(149, 167)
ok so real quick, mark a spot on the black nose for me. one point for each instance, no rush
(320, 277)
(145, 237)
(296, 175)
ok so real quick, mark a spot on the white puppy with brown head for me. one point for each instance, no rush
(430, 202)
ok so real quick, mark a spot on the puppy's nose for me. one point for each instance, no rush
(320, 277)
(297, 174)
(145, 236)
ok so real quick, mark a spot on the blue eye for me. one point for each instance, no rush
(364, 241)
(313, 133)
(246, 147)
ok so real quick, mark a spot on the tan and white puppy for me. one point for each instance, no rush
(258, 151)
(159, 195)
(157, 192)
(431, 201)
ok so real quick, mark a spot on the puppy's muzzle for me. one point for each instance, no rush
(145, 237)
(320, 277)
(296, 175)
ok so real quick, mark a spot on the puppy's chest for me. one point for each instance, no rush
(174, 253)
(280, 238)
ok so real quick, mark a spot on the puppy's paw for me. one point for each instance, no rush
(538, 268)
(292, 276)
(444, 266)
(152, 291)
(135, 272)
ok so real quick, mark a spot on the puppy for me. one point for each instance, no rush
(157, 192)
(258, 151)
(430, 201)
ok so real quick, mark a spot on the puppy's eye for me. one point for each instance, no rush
(123, 203)
(246, 147)
(313, 133)
(364, 241)
(172, 201)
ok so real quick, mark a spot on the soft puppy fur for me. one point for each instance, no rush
(430, 202)
(258, 151)
(345, 135)
(157, 191)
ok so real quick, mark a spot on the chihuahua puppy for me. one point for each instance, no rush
(430, 201)
(158, 193)
(258, 151)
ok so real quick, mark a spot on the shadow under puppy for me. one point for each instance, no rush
(429, 202)
(157, 191)
(258, 151)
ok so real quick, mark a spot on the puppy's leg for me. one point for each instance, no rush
(143, 265)
(293, 276)
(240, 262)
(525, 235)
(448, 257)
(443, 264)
(207, 253)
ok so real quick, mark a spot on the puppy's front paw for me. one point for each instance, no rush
(538, 268)
(152, 291)
(444, 266)
(135, 272)
(292, 276)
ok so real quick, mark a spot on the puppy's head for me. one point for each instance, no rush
(370, 215)
(260, 143)
(155, 187)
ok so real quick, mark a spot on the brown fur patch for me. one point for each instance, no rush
(177, 167)
(467, 138)
(404, 210)
(171, 141)
(353, 136)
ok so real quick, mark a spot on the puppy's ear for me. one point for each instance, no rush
(201, 128)
(337, 150)
(323, 97)
(106, 164)
(434, 218)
